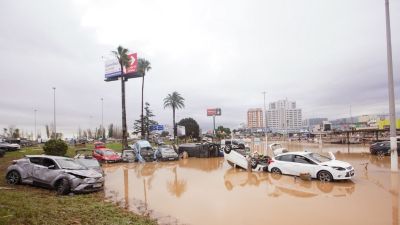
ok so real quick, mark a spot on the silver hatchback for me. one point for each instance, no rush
(60, 173)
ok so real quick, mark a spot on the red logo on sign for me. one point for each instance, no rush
(133, 66)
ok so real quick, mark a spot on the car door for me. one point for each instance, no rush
(45, 172)
(285, 163)
(302, 164)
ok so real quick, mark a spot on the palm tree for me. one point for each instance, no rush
(124, 61)
(174, 101)
(143, 67)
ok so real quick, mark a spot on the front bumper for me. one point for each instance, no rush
(87, 185)
(344, 175)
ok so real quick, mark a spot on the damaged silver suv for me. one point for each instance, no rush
(55, 172)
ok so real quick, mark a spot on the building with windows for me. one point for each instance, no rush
(283, 116)
(255, 118)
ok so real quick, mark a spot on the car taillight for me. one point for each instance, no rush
(270, 161)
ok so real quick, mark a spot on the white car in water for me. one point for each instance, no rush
(318, 166)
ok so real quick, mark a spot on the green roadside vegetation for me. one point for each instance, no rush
(24, 204)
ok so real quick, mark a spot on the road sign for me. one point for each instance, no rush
(157, 127)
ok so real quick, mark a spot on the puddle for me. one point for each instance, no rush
(209, 191)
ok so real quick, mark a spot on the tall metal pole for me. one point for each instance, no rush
(392, 110)
(102, 121)
(55, 126)
(35, 138)
(266, 125)
(215, 133)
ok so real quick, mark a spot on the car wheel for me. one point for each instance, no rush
(13, 177)
(276, 170)
(324, 176)
(63, 187)
(227, 149)
(253, 163)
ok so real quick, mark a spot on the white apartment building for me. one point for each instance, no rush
(283, 116)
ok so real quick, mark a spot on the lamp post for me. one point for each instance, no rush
(266, 125)
(102, 120)
(54, 121)
(392, 110)
(35, 138)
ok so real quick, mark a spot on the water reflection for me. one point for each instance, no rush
(176, 187)
(278, 185)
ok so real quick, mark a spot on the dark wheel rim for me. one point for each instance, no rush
(276, 170)
(324, 177)
(60, 187)
(13, 178)
(380, 154)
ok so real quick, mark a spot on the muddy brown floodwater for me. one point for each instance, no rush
(209, 191)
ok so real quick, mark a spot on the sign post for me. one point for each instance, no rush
(214, 112)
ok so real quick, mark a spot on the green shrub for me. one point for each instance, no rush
(55, 147)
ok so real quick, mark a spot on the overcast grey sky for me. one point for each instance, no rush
(324, 54)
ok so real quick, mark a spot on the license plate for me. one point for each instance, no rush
(97, 185)
(171, 158)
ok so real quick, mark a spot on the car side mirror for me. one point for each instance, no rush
(52, 167)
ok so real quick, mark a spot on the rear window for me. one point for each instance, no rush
(286, 158)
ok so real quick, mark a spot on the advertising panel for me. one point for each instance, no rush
(132, 68)
(214, 112)
(181, 130)
(112, 68)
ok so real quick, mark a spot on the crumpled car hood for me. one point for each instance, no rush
(85, 173)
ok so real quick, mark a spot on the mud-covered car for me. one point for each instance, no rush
(166, 153)
(60, 173)
(143, 150)
(128, 155)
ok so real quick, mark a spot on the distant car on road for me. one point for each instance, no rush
(143, 150)
(318, 166)
(55, 172)
(383, 148)
(9, 147)
(166, 153)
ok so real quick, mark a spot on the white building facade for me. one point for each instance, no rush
(283, 116)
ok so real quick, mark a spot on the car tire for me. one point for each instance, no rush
(62, 187)
(253, 163)
(324, 176)
(276, 170)
(228, 149)
(13, 177)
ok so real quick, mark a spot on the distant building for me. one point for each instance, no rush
(283, 116)
(310, 123)
(255, 118)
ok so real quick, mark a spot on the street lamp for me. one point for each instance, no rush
(102, 119)
(35, 138)
(392, 110)
(55, 127)
(266, 125)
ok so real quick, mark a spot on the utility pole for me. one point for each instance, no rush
(35, 126)
(392, 110)
(55, 127)
(266, 125)
(102, 120)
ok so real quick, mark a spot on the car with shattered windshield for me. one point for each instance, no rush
(63, 174)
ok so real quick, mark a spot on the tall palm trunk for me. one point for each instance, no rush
(142, 133)
(124, 133)
(173, 121)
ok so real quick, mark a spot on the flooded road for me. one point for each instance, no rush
(209, 191)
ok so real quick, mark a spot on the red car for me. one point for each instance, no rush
(106, 155)
(99, 144)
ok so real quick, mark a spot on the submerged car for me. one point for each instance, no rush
(144, 152)
(383, 148)
(55, 172)
(128, 155)
(318, 166)
(236, 158)
(166, 153)
(106, 155)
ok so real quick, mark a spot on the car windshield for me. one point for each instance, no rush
(108, 153)
(70, 164)
(88, 162)
(319, 158)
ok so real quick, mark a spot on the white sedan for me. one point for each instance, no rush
(318, 166)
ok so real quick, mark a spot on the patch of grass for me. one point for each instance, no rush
(25, 204)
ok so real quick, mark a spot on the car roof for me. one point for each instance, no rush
(47, 156)
(295, 153)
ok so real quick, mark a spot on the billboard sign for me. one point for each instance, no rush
(214, 112)
(181, 130)
(113, 68)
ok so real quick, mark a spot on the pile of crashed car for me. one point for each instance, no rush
(84, 173)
